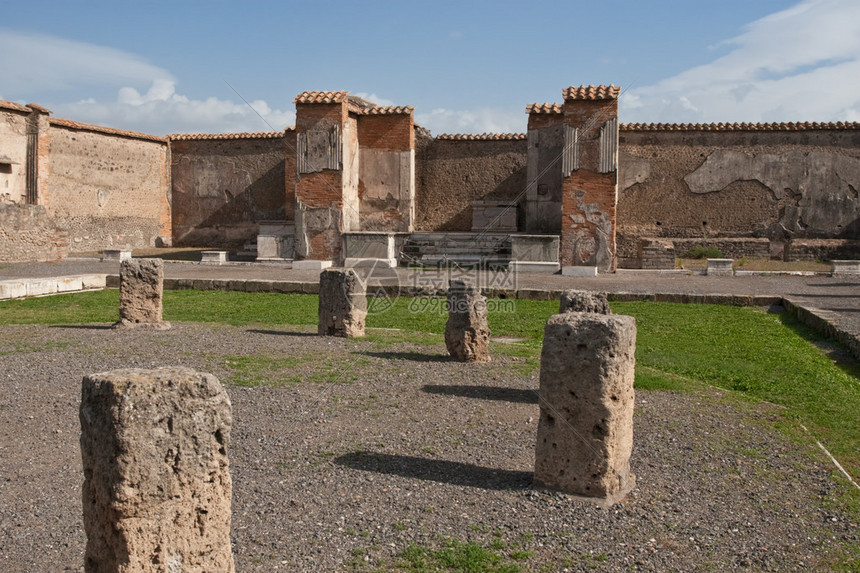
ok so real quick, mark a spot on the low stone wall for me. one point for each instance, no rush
(822, 250)
(28, 234)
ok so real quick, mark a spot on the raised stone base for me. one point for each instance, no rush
(720, 267)
(213, 257)
(116, 255)
(845, 268)
(375, 263)
(533, 267)
(311, 265)
(579, 271)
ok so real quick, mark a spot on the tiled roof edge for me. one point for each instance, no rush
(389, 110)
(321, 97)
(6, 104)
(600, 92)
(106, 130)
(545, 108)
(481, 136)
(222, 136)
(787, 126)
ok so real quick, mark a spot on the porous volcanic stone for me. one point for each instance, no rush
(141, 287)
(584, 301)
(467, 335)
(156, 493)
(342, 304)
(585, 433)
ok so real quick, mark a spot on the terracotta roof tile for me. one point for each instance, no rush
(545, 108)
(37, 107)
(790, 126)
(107, 130)
(481, 137)
(591, 92)
(222, 136)
(389, 110)
(321, 97)
(5, 104)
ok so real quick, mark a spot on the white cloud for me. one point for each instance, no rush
(374, 98)
(479, 120)
(38, 63)
(52, 67)
(800, 64)
(161, 110)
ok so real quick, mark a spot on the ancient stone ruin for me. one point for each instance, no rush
(467, 335)
(141, 288)
(342, 304)
(584, 301)
(585, 433)
(156, 493)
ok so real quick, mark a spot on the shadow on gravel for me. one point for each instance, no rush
(414, 356)
(454, 473)
(83, 326)
(523, 396)
(281, 332)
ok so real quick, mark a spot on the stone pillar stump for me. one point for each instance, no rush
(156, 493)
(584, 301)
(585, 433)
(467, 335)
(141, 289)
(342, 304)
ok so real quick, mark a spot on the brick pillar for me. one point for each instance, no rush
(589, 177)
(327, 173)
(386, 137)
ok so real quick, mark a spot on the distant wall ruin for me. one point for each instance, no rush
(361, 167)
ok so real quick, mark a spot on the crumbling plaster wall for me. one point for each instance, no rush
(222, 188)
(13, 146)
(779, 185)
(106, 190)
(450, 174)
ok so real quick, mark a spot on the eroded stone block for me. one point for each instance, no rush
(342, 304)
(467, 334)
(141, 288)
(585, 433)
(584, 301)
(157, 487)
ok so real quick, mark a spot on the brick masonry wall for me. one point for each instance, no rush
(108, 191)
(27, 234)
(452, 174)
(222, 189)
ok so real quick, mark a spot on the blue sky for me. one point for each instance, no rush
(467, 67)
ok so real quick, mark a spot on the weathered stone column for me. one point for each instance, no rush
(467, 335)
(141, 288)
(156, 493)
(342, 304)
(585, 433)
(584, 301)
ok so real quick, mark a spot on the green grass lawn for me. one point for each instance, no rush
(762, 356)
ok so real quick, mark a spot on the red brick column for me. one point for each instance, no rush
(320, 124)
(590, 177)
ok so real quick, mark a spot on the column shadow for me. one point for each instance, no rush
(443, 471)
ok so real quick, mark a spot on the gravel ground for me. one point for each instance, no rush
(407, 447)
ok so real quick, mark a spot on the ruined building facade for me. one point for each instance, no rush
(602, 193)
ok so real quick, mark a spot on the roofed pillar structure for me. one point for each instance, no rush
(326, 173)
(589, 170)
